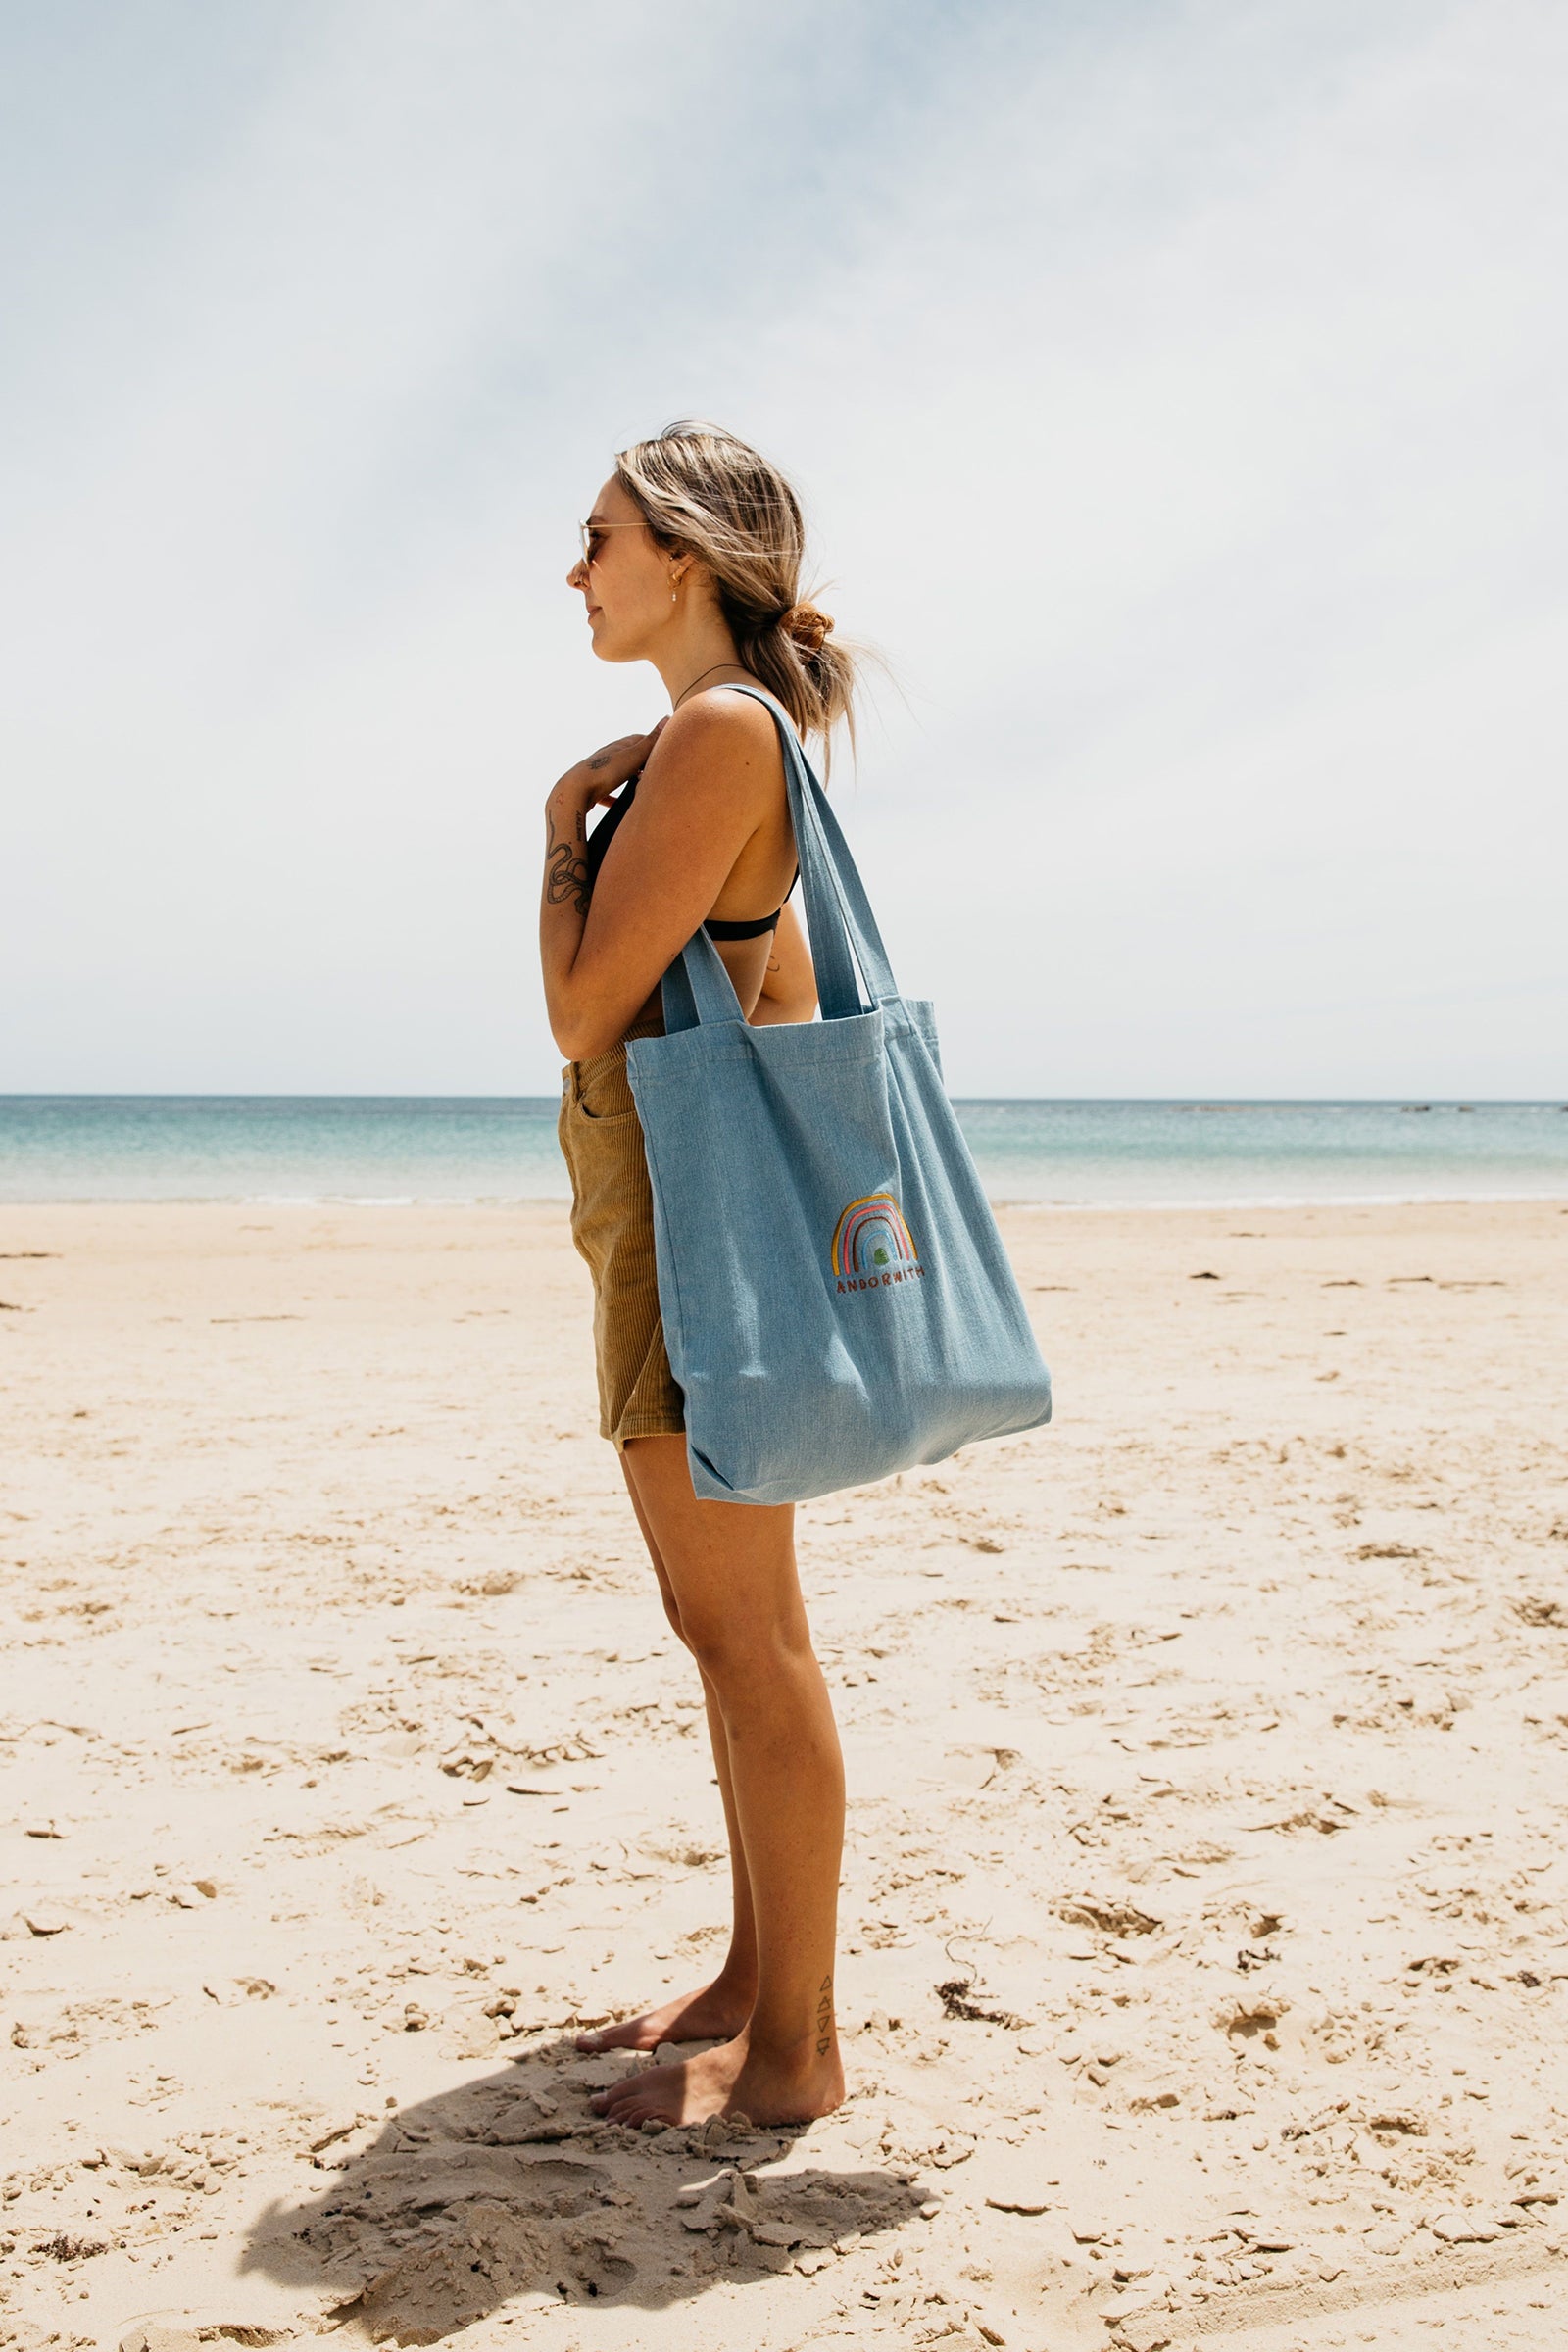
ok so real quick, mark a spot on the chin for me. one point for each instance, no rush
(608, 647)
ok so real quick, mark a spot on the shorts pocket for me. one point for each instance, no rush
(603, 1088)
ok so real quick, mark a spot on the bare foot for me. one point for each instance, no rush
(730, 2081)
(716, 2014)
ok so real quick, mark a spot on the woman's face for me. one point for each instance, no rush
(626, 581)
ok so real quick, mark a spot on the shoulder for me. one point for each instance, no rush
(728, 739)
(720, 717)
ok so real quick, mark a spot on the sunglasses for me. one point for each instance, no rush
(588, 534)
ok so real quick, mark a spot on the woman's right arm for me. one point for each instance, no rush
(789, 984)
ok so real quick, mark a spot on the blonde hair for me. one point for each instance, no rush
(702, 492)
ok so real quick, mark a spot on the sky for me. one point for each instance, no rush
(1177, 393)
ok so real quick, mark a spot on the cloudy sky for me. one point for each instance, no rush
(1177, 390)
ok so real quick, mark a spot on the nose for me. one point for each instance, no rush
(577, 576)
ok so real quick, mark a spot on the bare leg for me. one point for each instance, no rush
(717, 2011)
(730, 1570)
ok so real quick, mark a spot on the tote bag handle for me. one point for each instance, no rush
(843, 930)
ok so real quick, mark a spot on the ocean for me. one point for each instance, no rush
(1102, 1154)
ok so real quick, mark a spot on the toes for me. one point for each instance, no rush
(611, 2102)
(631, 2034)
(633, 2112)
(645, 2091)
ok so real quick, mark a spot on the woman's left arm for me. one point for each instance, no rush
(707, 778)
(582, 788)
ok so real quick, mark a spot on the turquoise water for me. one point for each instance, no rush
(474, 1147)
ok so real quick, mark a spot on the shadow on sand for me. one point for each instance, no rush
(504, 2192)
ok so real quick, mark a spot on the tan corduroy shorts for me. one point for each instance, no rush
(612, 1226)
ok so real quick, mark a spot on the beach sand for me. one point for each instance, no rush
(1206, 1913)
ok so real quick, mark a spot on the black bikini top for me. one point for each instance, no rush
(603, 833)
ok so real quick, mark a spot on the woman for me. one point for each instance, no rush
(691, 560)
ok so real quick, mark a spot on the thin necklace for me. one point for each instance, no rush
(696, 681)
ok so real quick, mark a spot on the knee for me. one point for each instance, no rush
(738, 1660)
(670, 1605)
(672, 1617)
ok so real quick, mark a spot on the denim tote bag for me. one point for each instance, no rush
(836, 1298)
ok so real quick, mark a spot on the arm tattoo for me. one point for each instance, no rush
(566, 874)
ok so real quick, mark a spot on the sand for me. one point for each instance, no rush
(1205, 1958)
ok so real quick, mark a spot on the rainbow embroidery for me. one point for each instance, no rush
(872, 1247)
